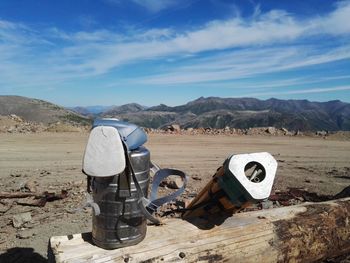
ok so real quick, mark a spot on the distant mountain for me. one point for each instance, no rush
(95, 111)
(126, 108)
(38, 111)
(210, 112)
(90, 110)
(242, 113)
(203, 105)
(149, 119)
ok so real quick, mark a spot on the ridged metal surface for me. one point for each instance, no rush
(121, 222)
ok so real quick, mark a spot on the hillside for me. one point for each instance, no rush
(126, 108)
(241, 113)
(212, 112)
(90, 110)
(38, 111)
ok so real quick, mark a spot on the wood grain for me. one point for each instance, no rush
(303, 233)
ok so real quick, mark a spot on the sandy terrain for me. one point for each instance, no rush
(52, 162)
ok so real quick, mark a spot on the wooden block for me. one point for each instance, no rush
(303, 233)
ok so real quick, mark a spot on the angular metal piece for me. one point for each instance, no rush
(243, 179)
(258, 184)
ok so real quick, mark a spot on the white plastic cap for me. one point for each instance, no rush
(104, 154)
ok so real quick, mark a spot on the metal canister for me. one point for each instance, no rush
(120, 222)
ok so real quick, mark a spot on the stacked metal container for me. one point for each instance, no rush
(120, 223)
(117, 218)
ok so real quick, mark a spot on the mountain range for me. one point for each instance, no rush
(215, 112)
(211, 112)
(39, 111)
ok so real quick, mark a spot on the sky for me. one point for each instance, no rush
(113, 52)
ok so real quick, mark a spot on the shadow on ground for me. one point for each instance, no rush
(22, 255)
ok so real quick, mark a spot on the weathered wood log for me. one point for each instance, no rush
(303, 233)
(49, 197)
(5, 195)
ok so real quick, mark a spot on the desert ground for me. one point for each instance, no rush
(52, 162)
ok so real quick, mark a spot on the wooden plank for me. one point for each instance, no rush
(303, 233)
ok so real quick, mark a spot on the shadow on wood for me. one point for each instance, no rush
(209, 221)
(303, 233)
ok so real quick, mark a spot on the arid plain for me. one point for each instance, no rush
(52, 162)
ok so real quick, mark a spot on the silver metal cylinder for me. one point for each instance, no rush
(121, 222)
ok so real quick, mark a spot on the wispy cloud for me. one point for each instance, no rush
(275, 27)
(336, 23)
(87, 21)
(222, 49)
(274, 84)
(156, 5)
(245, 63)
(301, 91)
(152, 6)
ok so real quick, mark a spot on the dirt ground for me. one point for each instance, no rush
(52, 162)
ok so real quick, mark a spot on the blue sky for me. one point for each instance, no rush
(112, 52)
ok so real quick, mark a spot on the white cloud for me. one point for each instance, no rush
(273, 84)
(239, 47)
(87, 21)
(293, 82)
(152, 6)
(156, 5)
(244, 63)
(336, 22)
(17, 34)
(302, 91)
(275, 27)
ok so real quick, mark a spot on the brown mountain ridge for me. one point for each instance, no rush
(39, 111)
(211, 112)
(244, 113)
